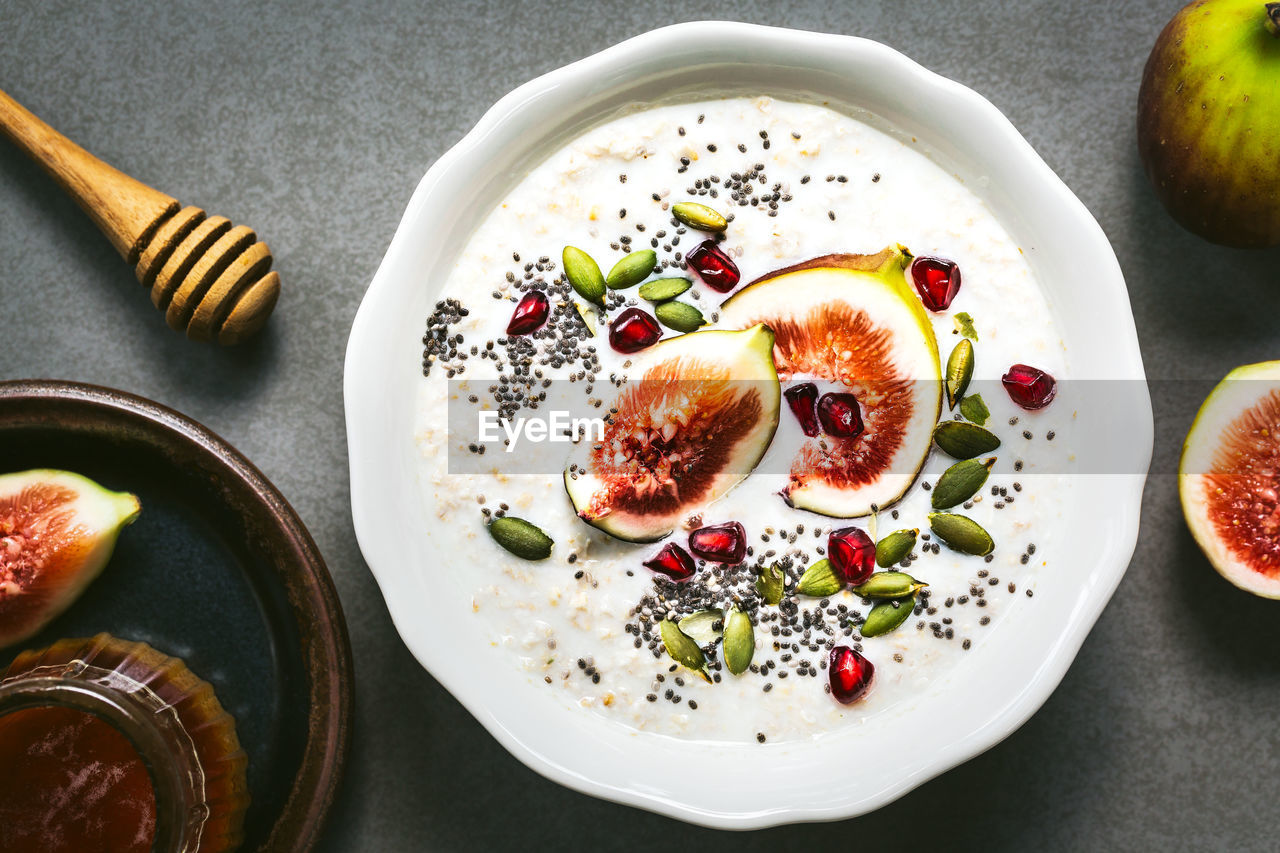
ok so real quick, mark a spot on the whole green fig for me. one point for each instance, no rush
(1209, 120)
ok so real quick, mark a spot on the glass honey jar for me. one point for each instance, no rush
(111, 745)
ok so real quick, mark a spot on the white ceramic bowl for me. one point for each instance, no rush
(955, 719)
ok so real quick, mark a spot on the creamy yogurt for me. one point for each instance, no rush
(815, 181)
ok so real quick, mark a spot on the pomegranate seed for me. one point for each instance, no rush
(938, 281)
(530, 314)
(840, 415)
(1029, 387)
(850, 674)
(803, 400)
(672, 562)
(714, 267)
(633, 330)
(852, 554)
(720, 543)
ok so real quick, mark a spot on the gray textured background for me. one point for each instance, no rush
(313, 125)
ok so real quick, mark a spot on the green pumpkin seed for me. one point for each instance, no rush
(974, 408)
(886, 616)
(588, 315)
(584, 274)
(961, 533)
(679, 316)
(521, 538)
(739, 642)
(960, 482)
(820, 580)
(892, 548)
(683, 649)
(770, 584)
(964, 441)
(704, 627)
(964, 325)
(699, 216)
(959, 372)
(662, 289)
(631, 270)
(889, 585)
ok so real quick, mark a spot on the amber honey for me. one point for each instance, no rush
(71, 783)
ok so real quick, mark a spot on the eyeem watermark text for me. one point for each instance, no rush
(556, 426)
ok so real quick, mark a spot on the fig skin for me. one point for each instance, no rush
(1209, 121)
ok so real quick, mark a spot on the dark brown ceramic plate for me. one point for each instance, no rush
(217, 570)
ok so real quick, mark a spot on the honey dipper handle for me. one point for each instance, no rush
(126, 210)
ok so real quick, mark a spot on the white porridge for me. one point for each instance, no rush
(584, 622)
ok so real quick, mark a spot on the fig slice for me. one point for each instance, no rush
(1229, 478)
(57, 531)
(694, 418)
(852, 321)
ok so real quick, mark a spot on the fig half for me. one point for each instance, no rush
(57, 531)
(852, 321)
(1229, 478)
(1209, 120)
(693, 420)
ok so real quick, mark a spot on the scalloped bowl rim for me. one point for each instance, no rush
(582, 753)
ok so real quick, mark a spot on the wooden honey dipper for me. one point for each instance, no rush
(210, 278)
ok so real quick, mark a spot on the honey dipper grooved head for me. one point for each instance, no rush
(210, 278)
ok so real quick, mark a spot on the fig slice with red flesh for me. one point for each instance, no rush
(1229, 478)
(694, 418)
(57, 531)
(852, 321)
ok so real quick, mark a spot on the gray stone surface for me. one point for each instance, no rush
(313, 124)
